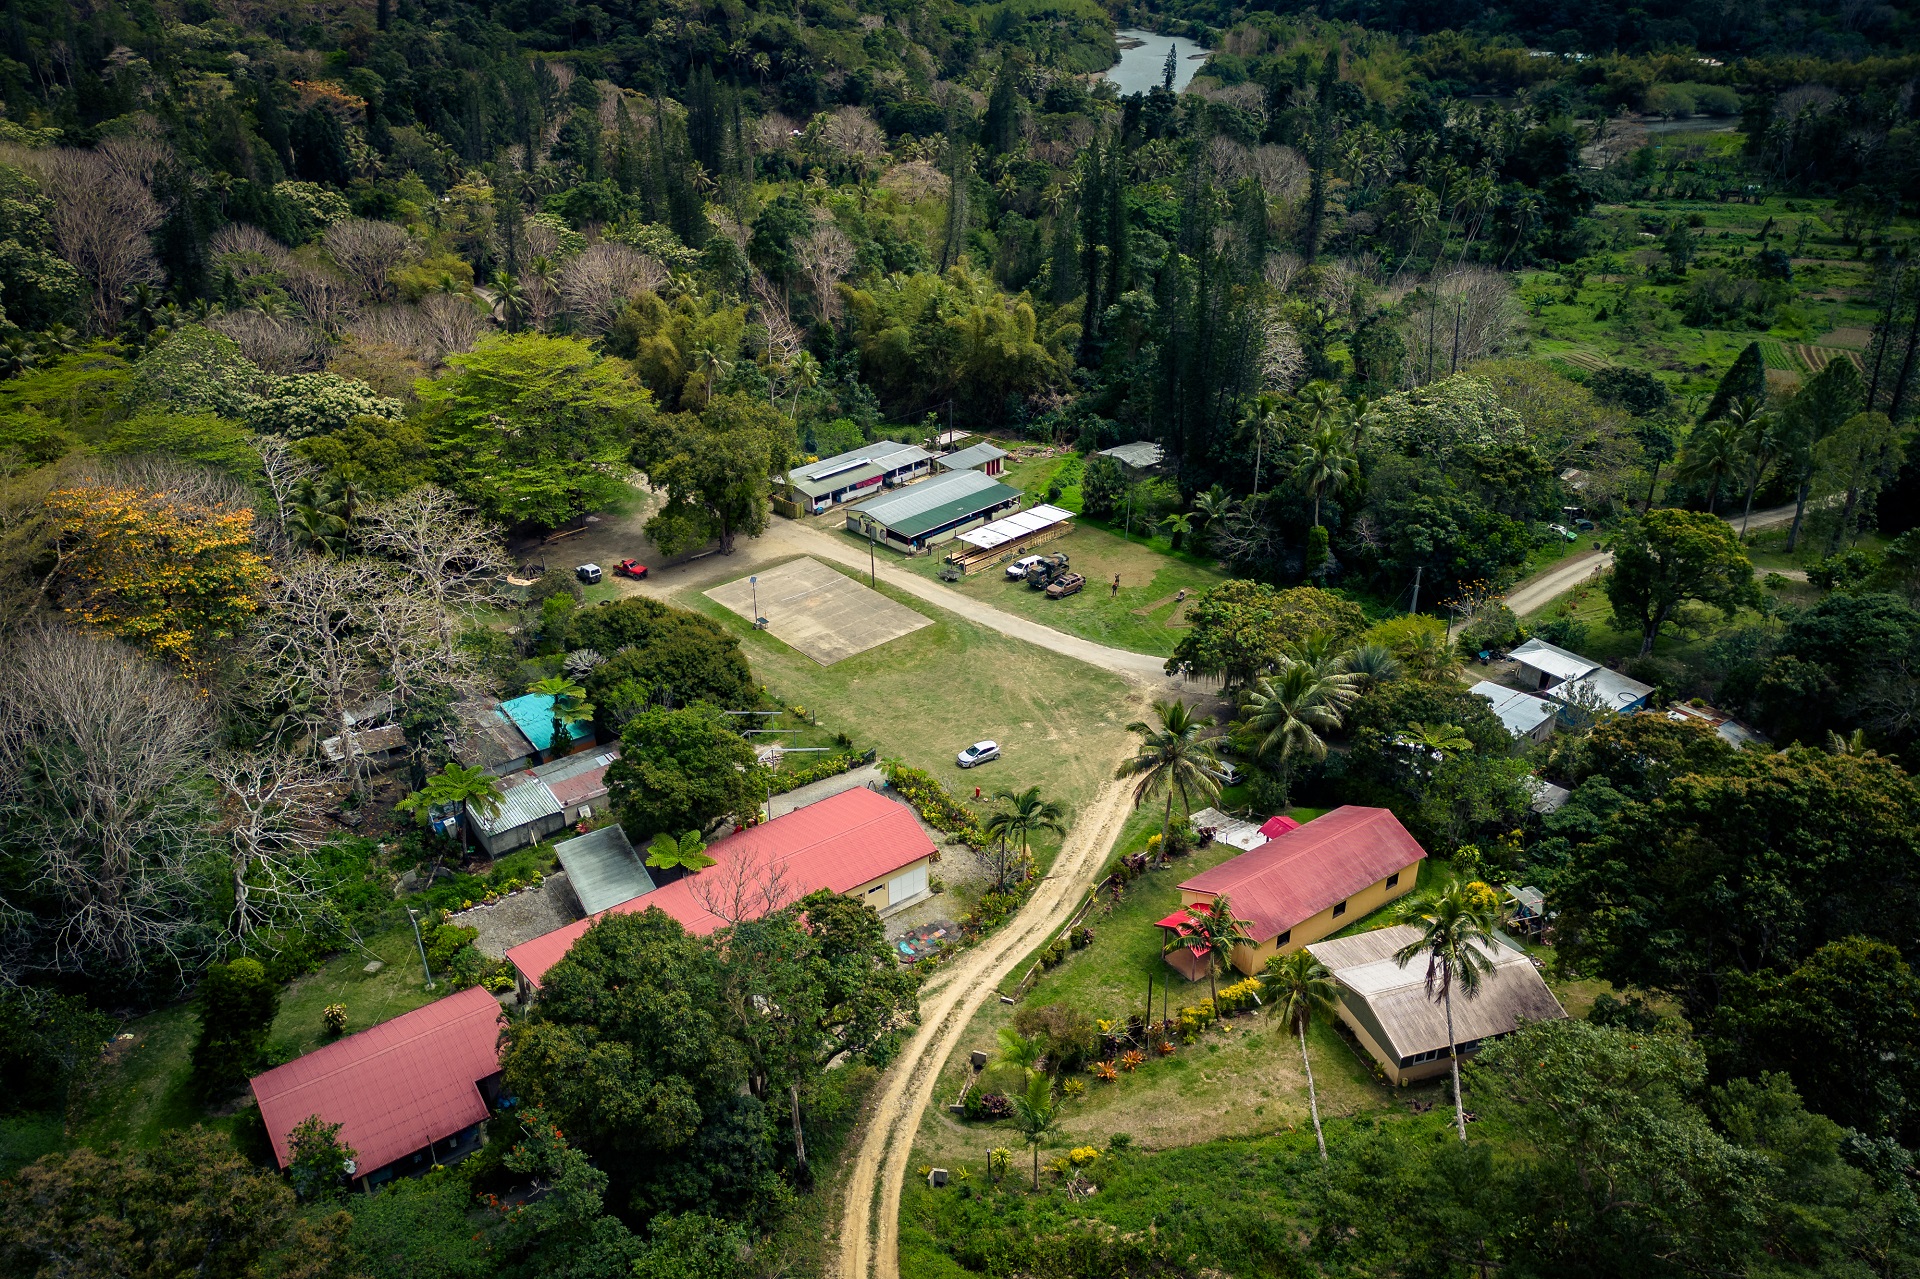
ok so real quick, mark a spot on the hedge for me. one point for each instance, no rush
(818, 771)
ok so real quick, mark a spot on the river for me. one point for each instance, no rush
(1143, 66)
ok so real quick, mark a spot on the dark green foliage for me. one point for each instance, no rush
(319, 1161)
(681, 770)
(1746, 379)
(1848, 661)
(421, 1228)
(674, 656)
(1635, 390)
(46, 1040)
(237, 1004)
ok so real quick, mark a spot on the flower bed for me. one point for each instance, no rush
(935, 804)
(818, 771)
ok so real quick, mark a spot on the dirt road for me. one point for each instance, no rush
(1545, 587)
(870, 1220)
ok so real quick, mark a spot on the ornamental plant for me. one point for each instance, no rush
(334, 1018)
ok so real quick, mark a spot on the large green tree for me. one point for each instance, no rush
(681, 770)
(1240, 629)
(530, 428)
(713, 467)
(1667, 558)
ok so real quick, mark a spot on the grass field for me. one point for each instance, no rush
(1061, 724)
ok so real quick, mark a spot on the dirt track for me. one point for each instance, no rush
(870, 1219)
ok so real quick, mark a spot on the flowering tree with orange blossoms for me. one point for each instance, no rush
(177, 577)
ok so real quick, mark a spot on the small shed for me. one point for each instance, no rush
(1009, 537)
(1544, 665)
(1527, 718)
(1142, 455)
(603, 869)
(983, 457)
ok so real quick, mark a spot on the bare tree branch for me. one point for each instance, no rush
(599, 282)
(272, 814)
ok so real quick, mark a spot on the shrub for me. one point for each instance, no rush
(999, 1161)
(1073, 1087)
(989, 1107)
(1083, 1154)
(1239, 997)
(334, 1018)
(818, 771)
(1120, 1141)
(938, 808)
(1082, 937)
(1132, 1059)
(1054, 953)
(1567, 632)
(1194, 1020)
(1067, 1035)
(319, 1160)
(237, 1007)
(1104, 1072)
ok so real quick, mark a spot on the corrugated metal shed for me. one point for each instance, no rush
(972, 456)
(1013, 527)
(521, 806)
(603, 869)
(1551, 659)
(1139, 456)
(394, 1088)
(937, 502)
(533, 716)
(1522, 713)
(1414, 1022)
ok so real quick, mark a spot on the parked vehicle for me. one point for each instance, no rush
(1041, 575)
(1566, 534)
(1064, 585)
(588, 573)
(631, 568)
(978, 753)
(1020, 567)
(1226, 773)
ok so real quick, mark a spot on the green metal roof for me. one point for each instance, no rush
(971, 500)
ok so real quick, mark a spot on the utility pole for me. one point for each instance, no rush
(414, 915)
(1417, 573)
(873, 579)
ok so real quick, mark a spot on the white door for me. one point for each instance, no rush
(907, 884)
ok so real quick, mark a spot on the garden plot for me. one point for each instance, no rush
(825, 614)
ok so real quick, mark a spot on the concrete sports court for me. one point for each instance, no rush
(825, 614)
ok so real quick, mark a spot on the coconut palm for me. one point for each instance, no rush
(1212, 925)
(1456, 926)
(1323, 465)
(1299, 986)
(710, 360)
(1761, 436)
(1036, 1116)
(570, 707)
(510, 303)
(1212, 506)
(1173, 759)
(1292, 708)
(1263, 418)
(1023, 815)
(460, 787)
(1425, 654)
(687, 853)
(1715, 451)
(804, 374)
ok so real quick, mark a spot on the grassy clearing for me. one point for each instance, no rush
(145, 1093)
(1061, 724)
(1145, 616)
(370, 998)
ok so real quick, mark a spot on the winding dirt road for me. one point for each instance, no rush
(870, 1219)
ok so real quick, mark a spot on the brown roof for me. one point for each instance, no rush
(1411, 1019)
(1295, 876)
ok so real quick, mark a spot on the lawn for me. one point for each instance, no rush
(370, 998)
(1061, 724)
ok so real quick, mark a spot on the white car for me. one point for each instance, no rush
(978, 753)
(1021, 567)
(1226, 773)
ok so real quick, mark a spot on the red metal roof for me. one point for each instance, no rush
(1288, 880)
(393, 1088)
(1274, 827)
(836, 844)
(1181, 921)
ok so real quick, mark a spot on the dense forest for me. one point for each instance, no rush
(308, 313)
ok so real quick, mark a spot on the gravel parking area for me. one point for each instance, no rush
(527, 914)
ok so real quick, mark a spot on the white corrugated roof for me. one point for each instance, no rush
(1140, 456)
(1014, 527)
(972, 456)
(1611, 689)
(1552, 659)
(518, 807)
(1522, 713)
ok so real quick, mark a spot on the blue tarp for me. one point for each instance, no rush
(533, 715)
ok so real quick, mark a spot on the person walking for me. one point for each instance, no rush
(1116, 587)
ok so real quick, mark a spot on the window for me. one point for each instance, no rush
(1283, 938)
(1393, 879)
(1339, 910)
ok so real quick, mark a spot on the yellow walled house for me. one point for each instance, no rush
(1302, 885)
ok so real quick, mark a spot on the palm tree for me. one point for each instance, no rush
(1212, 925)
(711, 360)
(570, 707)
(1323, 465)
(1761, 439)
(1428, 657)
(316, 529)
(459, 786)
(1714, 451)
(804, 374)
(1318, 404)
(1212, 506)
(1023, 1052)
(1263, 419)
(509, 301)
(1292, 708)
(686, 854)
(1372, 665)
(1023, 815)
(1173, 759)
(1301, 986)
(1455, 923)
(1036, 1116)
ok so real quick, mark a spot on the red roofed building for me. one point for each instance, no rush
(858, 842)
(407, 1093)
(1304, 884)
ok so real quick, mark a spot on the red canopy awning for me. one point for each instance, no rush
(1181, 922)
(1276, 826)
